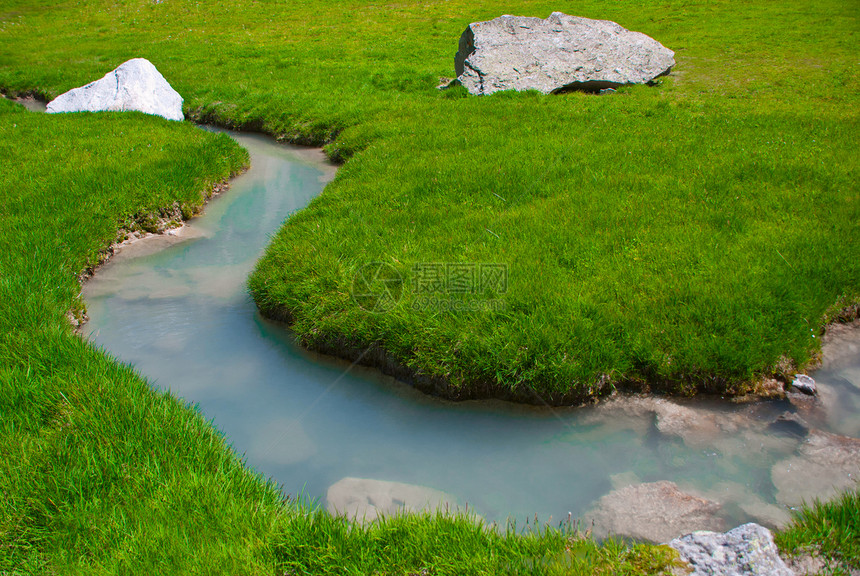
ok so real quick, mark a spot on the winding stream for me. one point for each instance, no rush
(181, 315)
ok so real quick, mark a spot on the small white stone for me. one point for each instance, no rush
(805, 384)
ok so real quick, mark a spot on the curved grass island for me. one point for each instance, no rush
(695, 236)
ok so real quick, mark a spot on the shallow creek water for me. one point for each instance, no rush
(177, 308)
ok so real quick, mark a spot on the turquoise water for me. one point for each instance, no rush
(182, 316)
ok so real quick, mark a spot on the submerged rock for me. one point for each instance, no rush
(841, 346)
(810, 408)
(281, 441)
(697, 426)
(135, 85)
(654, 511)
(790, 423)
(365, 500)
(731, 494)
(560, 53)
(745, 551)
(825, 466)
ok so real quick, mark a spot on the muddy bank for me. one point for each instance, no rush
(150, 232)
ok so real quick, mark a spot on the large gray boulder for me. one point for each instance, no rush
(747, 550)
(135, 85)
(560, 53)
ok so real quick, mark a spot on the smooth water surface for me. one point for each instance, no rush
(183, 317)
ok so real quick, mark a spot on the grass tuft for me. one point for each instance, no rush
(829, 529)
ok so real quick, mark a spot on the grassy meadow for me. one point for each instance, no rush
(692, 236)
(689, 236)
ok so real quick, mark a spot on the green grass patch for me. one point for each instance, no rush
(98, 472)
(435, 544)
(654, 253)
(830, 529)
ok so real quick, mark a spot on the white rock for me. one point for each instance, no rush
(805, 384)
(135, 85)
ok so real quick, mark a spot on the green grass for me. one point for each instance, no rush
(316, 543)
(830, 529)
(672, 258)
(691, 236)
(100, 473)
(95, 467)
(688, 237)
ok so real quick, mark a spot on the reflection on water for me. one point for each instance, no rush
(183, 318)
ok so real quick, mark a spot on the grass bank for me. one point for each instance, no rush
(88, 481)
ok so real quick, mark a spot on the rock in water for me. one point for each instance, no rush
(654, 511)
(790, 423)
(365, 500)
(560, 53)
(825, 466)
(134, 85)
(745, 551)
(805, 384)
